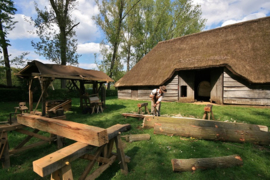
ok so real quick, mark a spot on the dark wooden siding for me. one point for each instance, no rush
(216, 94)
(124, 93)
(237, 91)
(172, 89)
(187, 78)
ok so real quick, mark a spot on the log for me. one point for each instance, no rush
(79, 132)
(133, 115)
(113, 131)
(149, 122)
(137, 137)
(206, 163)
(213, 133)
(60, 106)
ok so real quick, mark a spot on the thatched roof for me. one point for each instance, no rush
(243, 48)
(36, 68)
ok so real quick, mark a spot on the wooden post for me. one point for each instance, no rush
(103, 96)
(4, 150)
(121, 155)
(82, 92)
(30, 94)
(95, 87)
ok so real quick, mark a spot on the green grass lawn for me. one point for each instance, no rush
(152, 159)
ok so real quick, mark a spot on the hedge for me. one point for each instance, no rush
(14, 94)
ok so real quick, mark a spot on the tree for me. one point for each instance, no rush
(55, 28)
(7, 10)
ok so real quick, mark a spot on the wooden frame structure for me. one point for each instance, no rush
(47, 73)
(89, 139)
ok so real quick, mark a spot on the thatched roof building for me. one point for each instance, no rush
(242, 50)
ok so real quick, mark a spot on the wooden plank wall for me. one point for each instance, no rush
(216, 94)
(172, 89)
(124, 93)
(237, 91)
(187, 78)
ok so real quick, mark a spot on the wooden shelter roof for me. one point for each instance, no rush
(36, 68)
(243, 48)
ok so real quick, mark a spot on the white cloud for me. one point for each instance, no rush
(249, 17)
(88, 66)
(22, 28)
(219, 11)
(88, 48)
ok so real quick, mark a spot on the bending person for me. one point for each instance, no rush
(157, 95)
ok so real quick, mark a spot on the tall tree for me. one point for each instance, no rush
(110, 20)
(55, 28)
(7, 10)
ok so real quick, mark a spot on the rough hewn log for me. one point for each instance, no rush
(149, 122)
(133, 115)
(137, 137)
(113, 131)
(213, 133)
(79, 132)
(206, 163)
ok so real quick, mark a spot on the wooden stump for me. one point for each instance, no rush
(182, 165)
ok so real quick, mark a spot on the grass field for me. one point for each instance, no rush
(152, 159)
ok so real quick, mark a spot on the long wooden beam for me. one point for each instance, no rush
(54, 161)
(58, 159)
(79, 132)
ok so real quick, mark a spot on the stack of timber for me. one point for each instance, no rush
(58, 163)
(210, 130)
(53, 105)
(193, 164)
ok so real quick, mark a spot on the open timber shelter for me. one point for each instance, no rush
(227, 65)
(46, 73)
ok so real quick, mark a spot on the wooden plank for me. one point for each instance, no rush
(67, 172)
(172, 86)
(54, 161)
(258, 94)
(113, 131)
(232, 83)
(79, 132)
(124, 90)
(60, 105)
(236, 88)
(264, 102)
(12, 127)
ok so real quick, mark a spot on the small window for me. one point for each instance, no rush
(183, 91)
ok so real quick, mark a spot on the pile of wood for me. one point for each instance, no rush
(210, 130)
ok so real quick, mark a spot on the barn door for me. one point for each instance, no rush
(134, 93)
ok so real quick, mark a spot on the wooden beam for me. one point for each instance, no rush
(113, 131)
(14, 151)
(60, 105)
(26, 140)
(79, 132)
(12, 127)
(54, 161)
(33, 134)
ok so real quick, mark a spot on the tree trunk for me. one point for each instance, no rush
(206, 163)
(6, 58)
(149, 122)
(213, 133)
(116, 43)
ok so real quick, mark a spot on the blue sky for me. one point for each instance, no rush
(217, 12)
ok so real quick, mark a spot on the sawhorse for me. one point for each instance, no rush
(208, 111)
